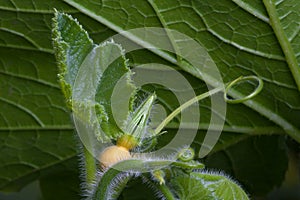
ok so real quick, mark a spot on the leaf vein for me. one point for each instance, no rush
(24, 109)
(39, 81)
(251, 10)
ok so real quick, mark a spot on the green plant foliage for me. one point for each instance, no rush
(71, 45)
(208, 186)
(82, 65)
(222, 187)
(243, 37)
(27, 155)
(190, 188)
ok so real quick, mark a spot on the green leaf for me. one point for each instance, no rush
(30, 97)
(103, 68)
(31, 154)
(206, 185)
(222, 187)
(96, 69)
(35, 7)
(112, 59)
(190, 188)
(259, 163)
(71, 46)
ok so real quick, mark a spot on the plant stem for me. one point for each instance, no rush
(212, 92)
(90, 166)
(166, 191)
(283, 40)
(184, 106)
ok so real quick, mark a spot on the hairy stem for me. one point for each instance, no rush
(90, 166)
(166, 191)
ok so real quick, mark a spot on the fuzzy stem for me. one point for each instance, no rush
(166, 191)
(90, 167)
(116, 177)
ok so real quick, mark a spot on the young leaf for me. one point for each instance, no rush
(206, 186)
(117, 75)
(103, 72)
(71, 46)
(186, 187)
(88, 75)
(220, 186)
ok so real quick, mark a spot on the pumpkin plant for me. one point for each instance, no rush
(259, 142)
(107, 172)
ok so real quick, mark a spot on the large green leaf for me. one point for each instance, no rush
(29, 154)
